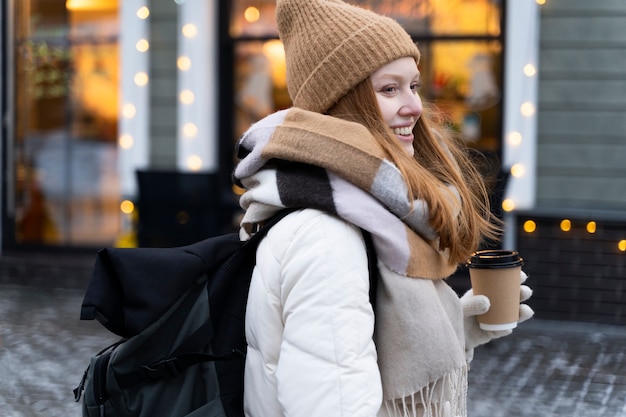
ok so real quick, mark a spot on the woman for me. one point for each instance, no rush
(357, 153)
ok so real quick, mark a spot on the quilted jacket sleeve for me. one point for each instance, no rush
(326, 365)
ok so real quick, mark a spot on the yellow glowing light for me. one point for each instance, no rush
(591, 227)
(141, 79)
(183, 63)
(129, 111)
(530, 226)
(125, 141)
(566, 225)
(142, 45)
(275, 52)
(530, 70)
(194, 162)
(518, 170)
(541, 2)
(622, 245)
(190, 130)
(514, 138)
(508, 205)
(187, 97)
(190, 30)
(90, 5)
(143, 13)
(252, 14)
(127, 207)
(527, 109)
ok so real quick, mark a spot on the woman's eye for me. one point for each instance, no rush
(416, 87)
(389, 89)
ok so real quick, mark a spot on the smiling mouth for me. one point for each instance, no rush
(402, 131)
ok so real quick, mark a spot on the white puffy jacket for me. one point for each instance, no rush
(309, 322)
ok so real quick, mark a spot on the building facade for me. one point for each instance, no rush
(120, 120)
(102, 95)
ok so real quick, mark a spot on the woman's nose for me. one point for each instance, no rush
(412, 105)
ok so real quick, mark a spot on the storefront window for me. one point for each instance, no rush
(461, 61)
(65, 127)
(421, 18)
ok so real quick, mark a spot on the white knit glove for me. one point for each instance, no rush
(474, 305)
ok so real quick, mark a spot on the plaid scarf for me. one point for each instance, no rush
(298, 158)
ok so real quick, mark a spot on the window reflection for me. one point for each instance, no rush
(461, 62)
(66, 83)
(418, 17)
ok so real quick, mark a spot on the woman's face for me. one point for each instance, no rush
(396, 85)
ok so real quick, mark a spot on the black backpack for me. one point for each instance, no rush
(180, 312)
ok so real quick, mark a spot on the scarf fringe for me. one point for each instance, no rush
(445, 397)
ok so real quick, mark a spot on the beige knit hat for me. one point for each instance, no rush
(332, 46)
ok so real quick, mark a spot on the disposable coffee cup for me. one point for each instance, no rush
(496, 274)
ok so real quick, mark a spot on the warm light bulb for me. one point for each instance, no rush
(142, 45)
(527, 109)
(514, 138)
(566, 225)
(190, 130)
(141, 79)
(187, 97)
(143, 13)
(190, 30)
(194, 162)
(622, 245)
(127, 207)
(183, 63)
(125, 141)
(129, 111)
(530, 226)
(518, 170)
(592, 227)
(508, 205)
(252, 14)
(530, 70)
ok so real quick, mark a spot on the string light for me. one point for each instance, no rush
(141, 79)
(126, 141)
(527, 109)
(183, 63)
(530, 70)
(143, 13)
(252, 14)
(518, 170)
(190, 130)
(127, 207)
(508, 205)
(190, 30)
(514, 138)
(187, 97)
(591, 227)
(194, 162)
(129, 110)
(142, 45)
(530, 226)
(566, 225)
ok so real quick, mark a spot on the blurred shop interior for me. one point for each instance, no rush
(65, 191)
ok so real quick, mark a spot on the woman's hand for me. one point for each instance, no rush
(475, 305)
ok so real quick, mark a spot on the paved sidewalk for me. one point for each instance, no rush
(544, 369)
